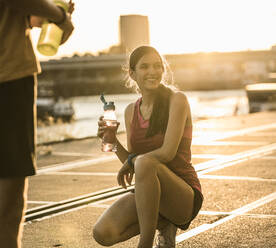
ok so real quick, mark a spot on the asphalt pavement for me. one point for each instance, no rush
(235, 158)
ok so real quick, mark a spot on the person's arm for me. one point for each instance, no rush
(43, 8)
(46, 9)
(178, 113)
(123, 153)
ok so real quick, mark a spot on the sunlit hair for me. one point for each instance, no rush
(159, 119)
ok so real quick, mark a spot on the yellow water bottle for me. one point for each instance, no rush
(51, 35)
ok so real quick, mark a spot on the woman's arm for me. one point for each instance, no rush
(123, 153)
(178, 114)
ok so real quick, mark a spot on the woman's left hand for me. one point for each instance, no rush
(125, 174)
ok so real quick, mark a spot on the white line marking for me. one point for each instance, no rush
(230, 143)
(82, 163)
(269, 157)
(237, 156)
(233, 214)
(262, 134)
(77, 154)
(229, 213)
(75, 164)
(99, 206)
(40, 202)
(69, 173)
(238, 178)
(74, 209)
(224, 135)
(208, 156)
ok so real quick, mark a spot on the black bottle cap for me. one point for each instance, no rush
(107, 105)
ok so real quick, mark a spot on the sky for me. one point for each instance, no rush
(176, 26)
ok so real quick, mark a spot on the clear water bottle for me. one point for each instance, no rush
(51, 35)
(109, 137)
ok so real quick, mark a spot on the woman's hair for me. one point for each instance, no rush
(160, 113)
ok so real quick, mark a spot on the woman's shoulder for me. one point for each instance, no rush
(178, 97)
(130, 107)
(129, 110)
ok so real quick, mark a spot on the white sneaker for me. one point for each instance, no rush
(166, 236)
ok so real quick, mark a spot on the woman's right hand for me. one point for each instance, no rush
(125, 174)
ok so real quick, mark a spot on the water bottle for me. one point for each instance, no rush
(51, 35)
(109, 137)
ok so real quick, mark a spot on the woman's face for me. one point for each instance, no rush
(148, 72)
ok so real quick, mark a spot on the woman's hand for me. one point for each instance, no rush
(102, 127)
(125, 174)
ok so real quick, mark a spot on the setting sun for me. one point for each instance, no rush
(176, 26)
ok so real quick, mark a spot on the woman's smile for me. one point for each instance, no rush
(148, 72)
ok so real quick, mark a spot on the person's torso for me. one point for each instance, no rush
(17, 58)
(140, 144)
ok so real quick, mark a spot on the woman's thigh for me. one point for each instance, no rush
(177, 197)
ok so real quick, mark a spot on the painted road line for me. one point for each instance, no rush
(215, 213)
(99, 206)
(237, 178)
(86, 162)
(72, 204)
(40, 202)
(72, 173)
(269, 157)
(262, 134)
(209, 156)
(233, 214)
(198, 167)
(231, 143)
(237, 156)
(75, 164)
(113, 174)
(99, 192)
(77, 154)
(95, 204)
(216, 136)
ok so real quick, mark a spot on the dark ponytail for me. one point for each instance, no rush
(160, 112)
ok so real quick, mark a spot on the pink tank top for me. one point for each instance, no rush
(181, 164)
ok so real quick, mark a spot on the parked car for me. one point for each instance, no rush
(261, 96)
(48, 107)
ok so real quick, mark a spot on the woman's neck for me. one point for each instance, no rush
(147, 99)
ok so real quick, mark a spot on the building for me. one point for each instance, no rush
(133, 31)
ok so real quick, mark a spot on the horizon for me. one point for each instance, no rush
(180, 27)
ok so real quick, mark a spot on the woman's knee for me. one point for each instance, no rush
(144, 166)
(104, 235)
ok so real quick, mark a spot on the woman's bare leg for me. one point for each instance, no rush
(147, 196)
(158, 189)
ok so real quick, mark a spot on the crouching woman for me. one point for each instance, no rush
(167, 191)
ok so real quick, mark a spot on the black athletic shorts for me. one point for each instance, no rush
(17, 127)
(198, 200)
